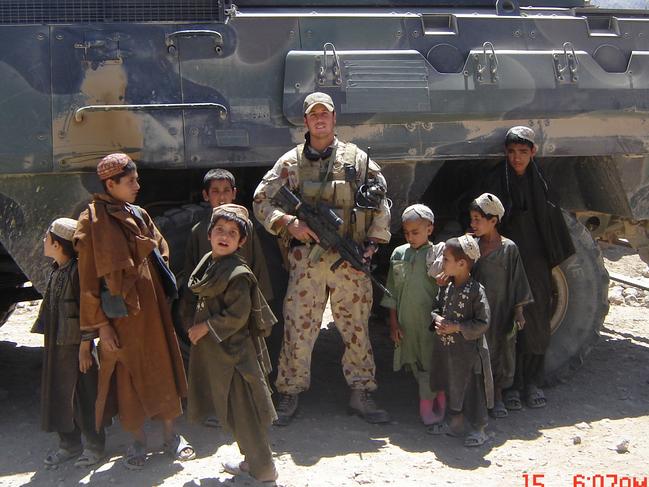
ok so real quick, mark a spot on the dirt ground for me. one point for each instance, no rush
(596, 424)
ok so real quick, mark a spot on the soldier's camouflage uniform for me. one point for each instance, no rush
(311, 280)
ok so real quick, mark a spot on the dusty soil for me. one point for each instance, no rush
(603, 406)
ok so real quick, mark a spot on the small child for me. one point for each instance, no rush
(500, 270)
(460, 364)
(219, 188)
(69, 381)
(414, 292)
(229, 363)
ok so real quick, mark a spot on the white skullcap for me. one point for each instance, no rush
(64, 228)
(470, 247)
(417, 212)
(491, 205)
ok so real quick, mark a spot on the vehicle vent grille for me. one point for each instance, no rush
(75, 11)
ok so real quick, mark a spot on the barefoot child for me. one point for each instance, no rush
(500, 270)
(413, 294)
(460, 364)
(69, 383)
(229, 363)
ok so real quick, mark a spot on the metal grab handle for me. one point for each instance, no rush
(335, 64)
(78, 114)
(218, 38)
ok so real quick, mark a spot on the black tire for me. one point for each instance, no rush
(176, 225)
(5, 312)
(580, 305)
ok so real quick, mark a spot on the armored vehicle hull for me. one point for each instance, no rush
(431, 86)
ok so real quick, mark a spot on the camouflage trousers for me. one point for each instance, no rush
(350, 295)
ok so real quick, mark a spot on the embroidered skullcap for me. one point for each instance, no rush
(112, 165)
(470, 247)
(318, 98)
(491, 205)
(522, 132)
(63, 227)
(230, 209)
(417, 212)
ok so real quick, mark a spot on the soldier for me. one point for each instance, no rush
(325, 170)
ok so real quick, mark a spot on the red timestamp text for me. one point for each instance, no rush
(608, 480)
(595, 480)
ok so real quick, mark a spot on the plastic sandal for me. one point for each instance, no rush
(180, 449)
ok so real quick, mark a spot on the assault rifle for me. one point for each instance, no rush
(325, 224)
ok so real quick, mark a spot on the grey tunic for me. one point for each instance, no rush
(457, 357)
(502, 274)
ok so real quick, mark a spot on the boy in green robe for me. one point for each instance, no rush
(229, 363)
(412, 283)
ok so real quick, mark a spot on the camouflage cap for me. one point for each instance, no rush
(318, 98)
(417, 212)
(470, 247)
(522, 132)
(230, 209)
(112, 165)
(63, 228)
(491, 205)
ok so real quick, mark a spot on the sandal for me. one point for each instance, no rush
(512, 400)
(475, 438)
(180, 449)
(61, 455)
(499, 410)
(437, 428)
(135, 456)
(535, 398)
(89, 458)
(242, 468)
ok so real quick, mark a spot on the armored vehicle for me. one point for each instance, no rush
(430, 85)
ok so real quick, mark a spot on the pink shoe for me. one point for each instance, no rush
(426, 412)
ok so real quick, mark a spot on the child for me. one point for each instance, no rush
(124, 296)
(501, 272)
(414, 292)
(229, 363)
(69, 381)
(460, 364)
(219, 188)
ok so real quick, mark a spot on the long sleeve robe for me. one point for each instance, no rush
(458, 356)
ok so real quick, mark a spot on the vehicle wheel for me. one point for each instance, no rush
(5, 312)
(580, 305)
(175, 226)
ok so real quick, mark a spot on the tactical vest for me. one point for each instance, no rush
(336, 187)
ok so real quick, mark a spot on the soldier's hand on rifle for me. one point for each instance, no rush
(369, 250)
(299, 230)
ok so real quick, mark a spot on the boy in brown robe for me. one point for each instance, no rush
(69, 378)
(122, 297)
(229, 363)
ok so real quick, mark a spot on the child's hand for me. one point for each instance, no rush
(446, 327)
(197, 332)
(519, 319)
(108, 338)
(396, 334)
(85, 357)
(441, 279)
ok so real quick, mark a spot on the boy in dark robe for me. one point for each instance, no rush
(229, 363)
(533, 220)
(460, 364)
(69, 378)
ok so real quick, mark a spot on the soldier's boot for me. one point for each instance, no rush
(362, 404)
(286, 408)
